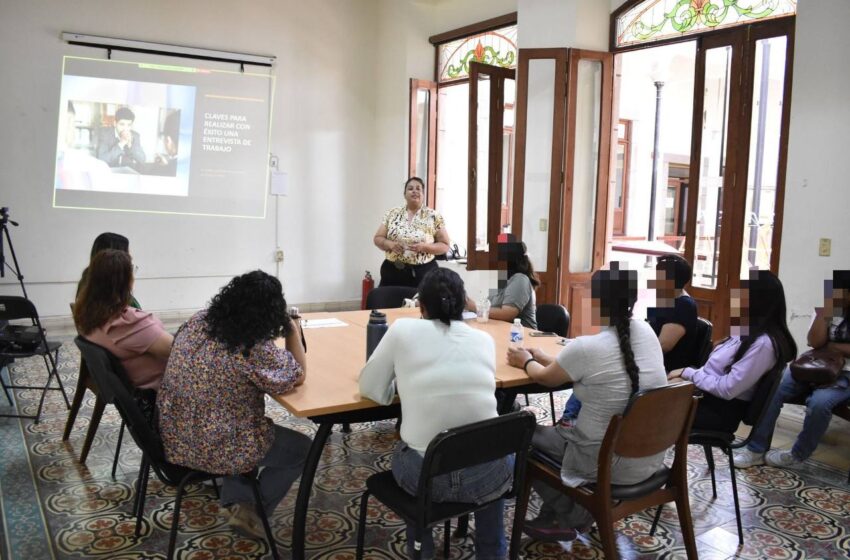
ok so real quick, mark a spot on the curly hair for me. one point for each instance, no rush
(442, 295)
(250, 309)
(616, 290)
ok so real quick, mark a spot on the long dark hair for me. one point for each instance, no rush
(767, 314)
(250, 309)
(106, 292)
(106, 240)
(515, 254)
(616, 291)
(442, 295)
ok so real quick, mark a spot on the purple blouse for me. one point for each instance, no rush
(722, 377)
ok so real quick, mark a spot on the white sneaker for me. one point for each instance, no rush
(782, 458)
(744, 458)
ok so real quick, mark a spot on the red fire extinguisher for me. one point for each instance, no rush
(368, 284)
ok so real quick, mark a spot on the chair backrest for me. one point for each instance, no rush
(388, 297)
(476, 444)
(702, 342)
(115, 388)
(763, 395)
(652, 422)
(553, 318)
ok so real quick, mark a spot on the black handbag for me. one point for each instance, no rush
(820, 367)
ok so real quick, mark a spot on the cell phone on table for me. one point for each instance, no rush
(541, 333)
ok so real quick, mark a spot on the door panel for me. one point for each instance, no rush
(538, 175)
(590, 135)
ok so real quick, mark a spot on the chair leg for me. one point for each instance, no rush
(447, 539)
(733, 477)
(261, 511)
(117, 449)
(519, 518)
(5, 365)
(55, 361)
(686, 522)
(462, 526)
(172, 538)
(143, 490)
(50, 373)
(526, 400)
(361, 526)
(79, 393)
(96, 413)
(605, 525)
(552, 407)
(215, 488)
(656, 520)
(709, 458)
(346, 428)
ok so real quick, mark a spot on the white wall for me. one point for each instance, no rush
(339, 126)
(817, 197)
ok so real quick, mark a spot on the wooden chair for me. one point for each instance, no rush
(653, 421)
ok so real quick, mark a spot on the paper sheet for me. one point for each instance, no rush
(322, 323)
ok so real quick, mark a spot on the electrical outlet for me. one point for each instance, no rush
(278, 255)
(824, 247)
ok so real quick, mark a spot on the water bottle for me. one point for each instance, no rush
(375, 331)
(516, 334)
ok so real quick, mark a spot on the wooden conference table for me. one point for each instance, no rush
(330, 395)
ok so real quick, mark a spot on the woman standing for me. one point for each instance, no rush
(410, 236)
(830, 329)
(444, 371)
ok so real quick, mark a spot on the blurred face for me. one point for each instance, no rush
(123, 125)
(665, 288)
(414, 194)
(739, 308)
(835, 299)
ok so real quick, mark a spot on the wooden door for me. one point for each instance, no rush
(584, 217)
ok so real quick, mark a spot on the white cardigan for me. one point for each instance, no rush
(445, 376)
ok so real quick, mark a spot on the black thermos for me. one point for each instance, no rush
(375, 331)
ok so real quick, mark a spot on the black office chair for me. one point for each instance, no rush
(451, 450)
(388, 297)
(13, 346)
(727, 442)
(136, 409)
(550, 318)
(702, 342)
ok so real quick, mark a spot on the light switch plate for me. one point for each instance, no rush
(824, 247)
(544, 224)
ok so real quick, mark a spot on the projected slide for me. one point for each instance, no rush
(162, 138)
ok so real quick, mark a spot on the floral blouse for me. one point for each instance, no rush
(421, 229)
(211, 402)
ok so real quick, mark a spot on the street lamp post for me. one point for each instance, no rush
(656, 156)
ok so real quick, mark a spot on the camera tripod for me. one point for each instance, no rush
(14, 267)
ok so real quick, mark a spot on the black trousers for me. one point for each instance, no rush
(714, 413)
(411, 275)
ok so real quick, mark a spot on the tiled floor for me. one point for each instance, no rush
(53, 507)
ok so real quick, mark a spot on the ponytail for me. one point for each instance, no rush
(624, 337)
(616, 292)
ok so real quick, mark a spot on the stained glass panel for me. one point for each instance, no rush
(497, 48)
(655, 20)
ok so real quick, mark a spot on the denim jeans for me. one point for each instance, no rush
(281, 466)
(819, 405)
(572, 408)
(477, 484)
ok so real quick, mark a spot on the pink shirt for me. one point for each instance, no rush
(129, 336)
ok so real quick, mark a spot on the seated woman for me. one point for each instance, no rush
(516, 298)
(606, 369)
(760, 338)
(674, 320)
(107, 240)
(830, 328)
(444, 371)
(212, 401)
(103, 315)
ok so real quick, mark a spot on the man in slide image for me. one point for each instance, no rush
(119, 145)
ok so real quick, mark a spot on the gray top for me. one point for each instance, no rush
(596, 366)
(519, 293)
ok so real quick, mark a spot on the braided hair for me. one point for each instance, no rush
(442, 295)
(616, 292)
